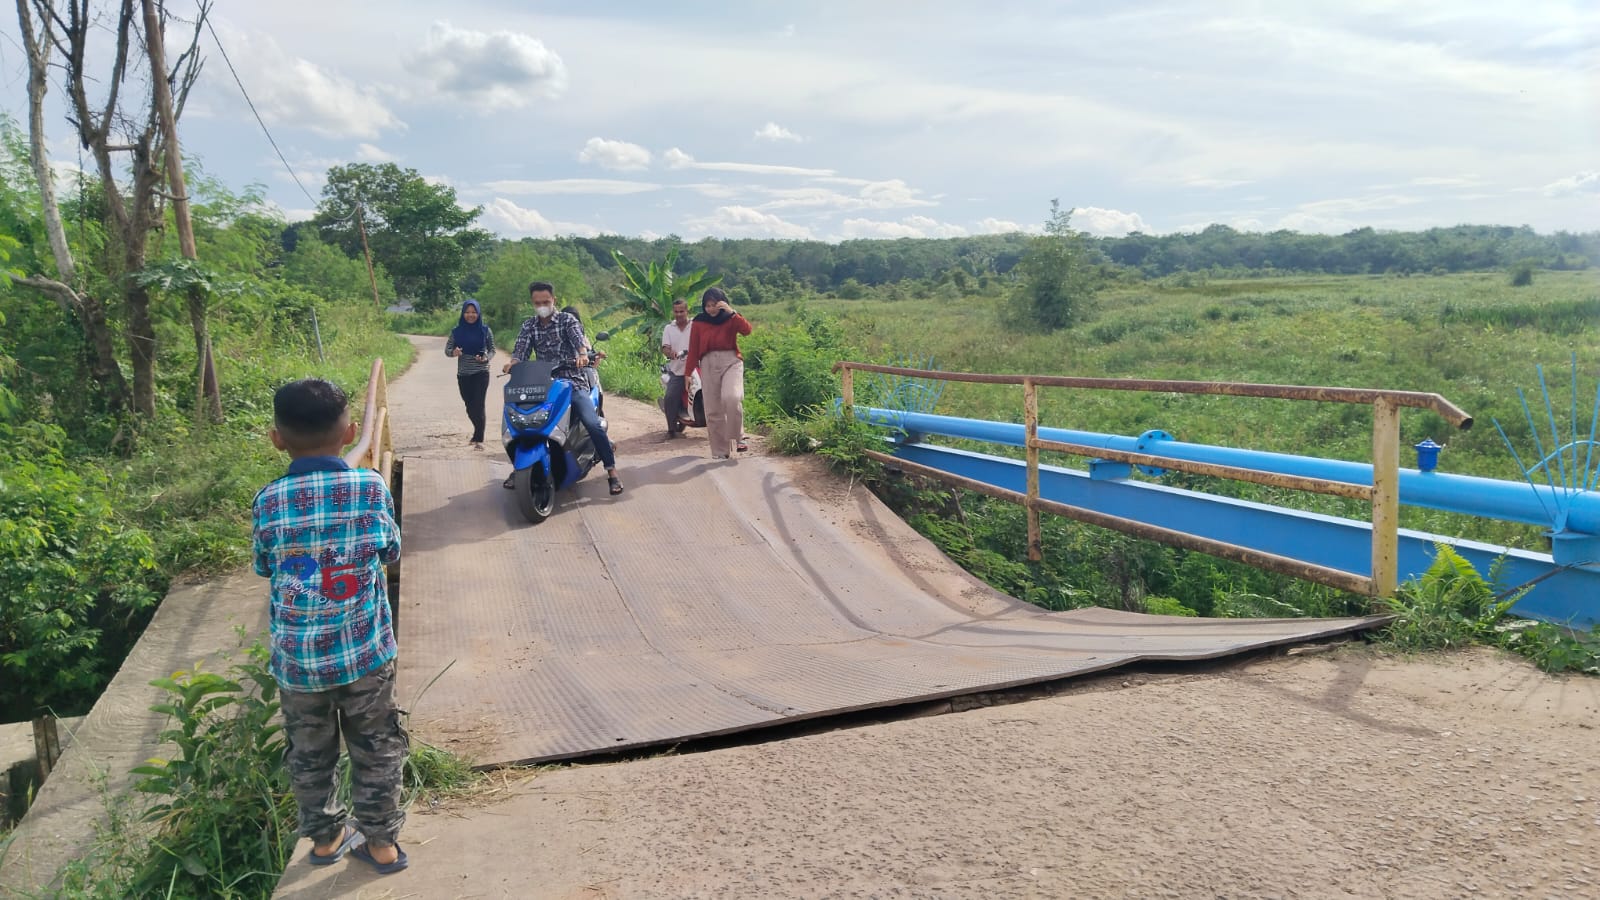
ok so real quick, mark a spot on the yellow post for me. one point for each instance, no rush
(1385, 496)
(847, 391)
(1030, 417)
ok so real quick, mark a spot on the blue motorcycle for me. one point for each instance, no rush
(548, 446)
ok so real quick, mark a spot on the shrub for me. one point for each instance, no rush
(789, 369)
(1450, 606)
(74, 580)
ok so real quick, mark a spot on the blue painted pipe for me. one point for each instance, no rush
(1565, 595)
(1483, 497)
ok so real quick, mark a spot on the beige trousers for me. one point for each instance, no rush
(722, 389)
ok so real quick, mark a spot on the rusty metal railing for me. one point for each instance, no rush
(1383, 493)
(374, 449)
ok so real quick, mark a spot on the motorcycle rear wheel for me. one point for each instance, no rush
(536, 494)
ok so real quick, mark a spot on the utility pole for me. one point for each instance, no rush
(208, 397)
(367, 252)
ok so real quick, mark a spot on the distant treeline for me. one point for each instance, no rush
(780, 266)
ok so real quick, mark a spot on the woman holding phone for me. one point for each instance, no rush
(714, 348)
(472, 344)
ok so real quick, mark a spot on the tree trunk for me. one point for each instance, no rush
(142, 348)
(208, 400)
(103, 365)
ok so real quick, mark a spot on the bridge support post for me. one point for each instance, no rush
(847, 392)
(1385, 496)
(1030, 407)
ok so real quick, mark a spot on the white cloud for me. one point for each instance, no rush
(1005, 226)
(1309, 223)
(489, 70)
(677, 159)
(891, 194)
(618, 155)
(742, 221)
(716, 190)
(373, 154)
(772, 131)
(1574, 185)
(606, 186)
(1437, 181)
(909, 227)
(1107, 222)
(290, 91)
(439, 180)
(508, 219)
(290, 215)
(1358, 204)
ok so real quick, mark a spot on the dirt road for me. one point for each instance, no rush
(1342, 774)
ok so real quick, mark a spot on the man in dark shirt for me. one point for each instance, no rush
(557, 337)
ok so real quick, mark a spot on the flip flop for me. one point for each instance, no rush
(743, 447)
(350, 835)
(364, 853)
(616, 484)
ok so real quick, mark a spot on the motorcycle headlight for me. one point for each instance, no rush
(535, 419)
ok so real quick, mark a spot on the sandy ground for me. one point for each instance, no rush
(1328, 775)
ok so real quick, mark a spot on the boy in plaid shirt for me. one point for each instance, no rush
(322, 534)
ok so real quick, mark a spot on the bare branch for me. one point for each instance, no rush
(64, 295)
(38, 49)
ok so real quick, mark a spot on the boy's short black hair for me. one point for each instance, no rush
(308, 412)
(541, 286)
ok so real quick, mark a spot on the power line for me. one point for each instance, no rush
(263, 124)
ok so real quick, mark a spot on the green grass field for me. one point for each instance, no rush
(1472, 338)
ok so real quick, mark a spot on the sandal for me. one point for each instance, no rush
(364, 853)
(350, 835)
(743, 447)
(510, 483)
(616, 484)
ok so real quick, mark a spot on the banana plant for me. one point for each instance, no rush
(649, 291)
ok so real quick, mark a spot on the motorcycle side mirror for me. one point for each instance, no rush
(603, 336)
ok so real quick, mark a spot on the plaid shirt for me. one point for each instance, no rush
(557, 342)
(322, 534)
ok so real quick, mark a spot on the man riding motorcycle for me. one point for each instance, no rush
(557, 337)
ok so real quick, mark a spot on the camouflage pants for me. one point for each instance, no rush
(365, 713)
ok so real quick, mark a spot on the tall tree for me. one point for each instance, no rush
(114, 127)
(417, 231)
(208, 396)
(67, 288)
(1059, 278)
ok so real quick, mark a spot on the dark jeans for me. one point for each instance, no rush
(591, 421)
(364, 713)
(674, 404)
(474, 391)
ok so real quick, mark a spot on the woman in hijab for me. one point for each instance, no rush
(714, 347)
(472, 344)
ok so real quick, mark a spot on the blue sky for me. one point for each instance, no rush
(882, 118)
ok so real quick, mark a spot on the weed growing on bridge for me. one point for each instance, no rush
(1452, 606)
(220, 821)
(1449, 607)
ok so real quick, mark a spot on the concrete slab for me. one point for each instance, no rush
(195, 622)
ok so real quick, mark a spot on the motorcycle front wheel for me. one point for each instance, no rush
(536, 493)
